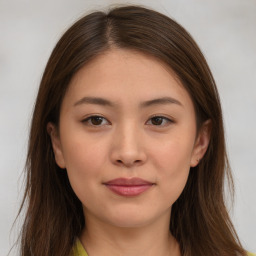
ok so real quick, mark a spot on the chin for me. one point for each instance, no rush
(129, 219)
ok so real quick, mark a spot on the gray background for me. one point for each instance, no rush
(224, 29)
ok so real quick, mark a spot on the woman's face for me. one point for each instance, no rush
(127, 138)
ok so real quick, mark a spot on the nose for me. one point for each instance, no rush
(128, 148)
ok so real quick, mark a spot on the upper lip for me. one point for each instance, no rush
(128, 182)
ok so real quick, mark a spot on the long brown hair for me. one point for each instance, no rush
(54, 216)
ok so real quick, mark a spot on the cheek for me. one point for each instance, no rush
(172, 162)
(172, 155)
(84, 162)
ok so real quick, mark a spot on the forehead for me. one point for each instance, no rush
(126, 76)
(116, 62)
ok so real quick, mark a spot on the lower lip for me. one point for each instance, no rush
(129, 190)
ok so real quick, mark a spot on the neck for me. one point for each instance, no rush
(104, 239)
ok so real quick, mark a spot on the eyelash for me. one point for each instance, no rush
(88, 120)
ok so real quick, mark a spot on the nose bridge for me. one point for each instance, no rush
(128, 144)
(128, 137)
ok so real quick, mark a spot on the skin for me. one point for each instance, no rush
(127, 142)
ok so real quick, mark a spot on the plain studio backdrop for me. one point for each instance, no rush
(226, 33)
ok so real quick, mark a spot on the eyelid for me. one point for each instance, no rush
(168, 119)
(88, 118)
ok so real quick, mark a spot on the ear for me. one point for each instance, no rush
(201, 143)
(56, 145)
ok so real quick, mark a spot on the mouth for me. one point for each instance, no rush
(128, 187)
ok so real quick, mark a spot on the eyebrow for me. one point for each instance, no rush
(107, 103)
(160, 101)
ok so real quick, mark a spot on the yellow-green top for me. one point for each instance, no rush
(79, 250)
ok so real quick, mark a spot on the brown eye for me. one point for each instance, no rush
(157, 120)
(95, 121)
(160, 121)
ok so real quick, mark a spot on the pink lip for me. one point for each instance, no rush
(128, 187)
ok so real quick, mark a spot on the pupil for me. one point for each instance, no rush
(96, 120)
(157, 120)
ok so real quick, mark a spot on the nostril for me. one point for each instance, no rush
(128, 163)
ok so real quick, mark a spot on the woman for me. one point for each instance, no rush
(127, 152)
